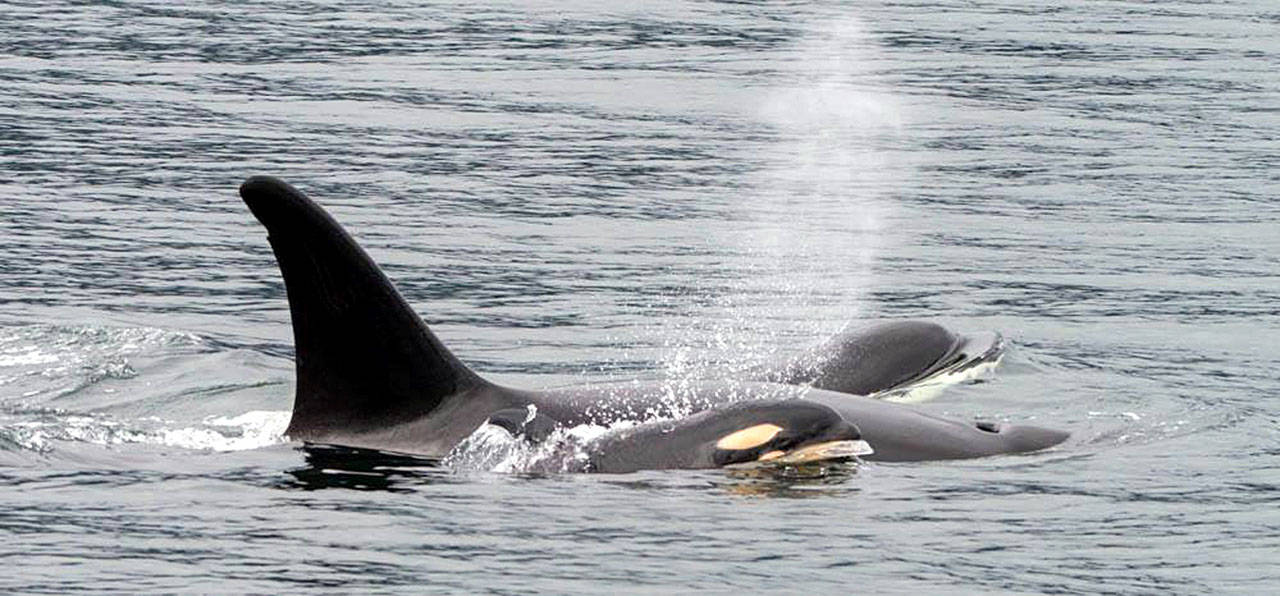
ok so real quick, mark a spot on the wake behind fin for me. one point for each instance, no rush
(365, 360)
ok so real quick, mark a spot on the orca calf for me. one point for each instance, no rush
(779, 432)
(370, 374)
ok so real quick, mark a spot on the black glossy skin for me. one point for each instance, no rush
(870, 359)
(370, 374)
(365, 360)
(691, 442)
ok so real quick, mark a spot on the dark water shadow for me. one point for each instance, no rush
(337, 467)
(332, 466)
(819, 479)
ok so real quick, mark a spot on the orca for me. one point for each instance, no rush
(887, 360)
(742, 434)
(372, 375)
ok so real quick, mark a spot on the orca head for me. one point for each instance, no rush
(788, 432)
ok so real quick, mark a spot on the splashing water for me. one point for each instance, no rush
(250, 430)
(492, 449)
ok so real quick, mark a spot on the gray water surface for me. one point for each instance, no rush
(581, 191)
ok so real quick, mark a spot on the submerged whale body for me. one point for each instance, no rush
(370, 374)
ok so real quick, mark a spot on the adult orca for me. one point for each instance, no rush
(370, 374)
(886, 360)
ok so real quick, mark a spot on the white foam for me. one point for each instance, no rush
(31, 356)
(492, 449)
(251, 430)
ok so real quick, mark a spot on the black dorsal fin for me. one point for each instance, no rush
(365, 360)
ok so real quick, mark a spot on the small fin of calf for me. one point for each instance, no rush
(365, 360)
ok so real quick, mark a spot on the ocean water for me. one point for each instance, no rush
(581, 191)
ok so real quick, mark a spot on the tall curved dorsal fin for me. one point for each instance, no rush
(365, 360)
